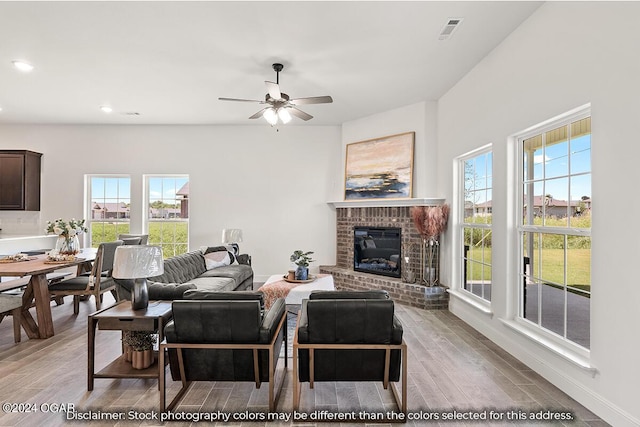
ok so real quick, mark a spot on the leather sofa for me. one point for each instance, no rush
(189, 271)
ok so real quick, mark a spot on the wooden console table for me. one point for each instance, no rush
(121, 317)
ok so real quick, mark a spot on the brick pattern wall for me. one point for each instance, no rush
(413, 294)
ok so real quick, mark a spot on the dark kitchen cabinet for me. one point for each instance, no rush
(19, 180)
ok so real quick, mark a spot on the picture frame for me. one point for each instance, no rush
(380, 168)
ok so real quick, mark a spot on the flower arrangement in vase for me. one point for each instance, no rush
(430, 221)
(301, 260)
(68, 242)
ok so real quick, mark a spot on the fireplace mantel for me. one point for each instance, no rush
(374, 203)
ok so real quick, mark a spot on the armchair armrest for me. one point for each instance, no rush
(303, 326)
(396, 331)
(271, 320)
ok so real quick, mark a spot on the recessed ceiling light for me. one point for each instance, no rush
(106, 109)
(23, 66)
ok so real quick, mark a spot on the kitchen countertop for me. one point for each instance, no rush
(7, 236)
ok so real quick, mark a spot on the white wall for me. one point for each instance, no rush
(419, 118)
(567, 54)
(272, 185)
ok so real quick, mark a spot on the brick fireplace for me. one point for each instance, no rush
(383, 214)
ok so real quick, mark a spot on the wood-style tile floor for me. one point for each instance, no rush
(453, 370)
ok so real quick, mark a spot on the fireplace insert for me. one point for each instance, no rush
(377, 250)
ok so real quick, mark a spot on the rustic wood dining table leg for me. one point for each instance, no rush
(43, 305)
(30, 326)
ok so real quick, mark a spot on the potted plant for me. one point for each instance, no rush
(140, 345)
(301, 260)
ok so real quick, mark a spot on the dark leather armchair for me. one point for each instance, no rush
(224, 336)
(349, 336)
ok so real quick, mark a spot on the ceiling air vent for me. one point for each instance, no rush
(449, 28)
(130, 113)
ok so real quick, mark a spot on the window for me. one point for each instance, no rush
(109, 207)
(167, 219)
(555, 227)
(476, 222)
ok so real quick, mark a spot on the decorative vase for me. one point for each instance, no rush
(302, 273)
(431, 262)
(68, 245)
(127, 352)
(141, 359)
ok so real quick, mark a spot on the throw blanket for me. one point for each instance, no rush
(279, 289)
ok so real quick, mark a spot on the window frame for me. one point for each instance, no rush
(461, 253)
(535, 329)
(146, 221)
(89, 196)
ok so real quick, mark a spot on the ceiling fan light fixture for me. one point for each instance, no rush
(284, 115)
(270, 116)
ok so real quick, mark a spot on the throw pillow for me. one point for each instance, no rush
(217, 259)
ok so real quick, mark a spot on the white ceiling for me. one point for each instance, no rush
(170, 61)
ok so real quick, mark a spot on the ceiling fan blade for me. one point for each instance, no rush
(312, 100)
(274, 90)
(259, 113)
(300, 114)
(239, 100)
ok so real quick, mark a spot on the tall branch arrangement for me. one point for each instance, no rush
(430, 221)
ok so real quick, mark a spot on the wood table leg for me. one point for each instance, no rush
(43, 305)
(30, 326)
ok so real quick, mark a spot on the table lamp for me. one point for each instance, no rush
(231, 235)
(137, 263)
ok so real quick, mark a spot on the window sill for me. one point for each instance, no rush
(562, 351)
(481, 306)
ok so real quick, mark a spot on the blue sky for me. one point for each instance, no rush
(552, 163)
(119, 189)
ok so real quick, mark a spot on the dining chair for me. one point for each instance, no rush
(96, 283)
(144, 239)
(11, 304)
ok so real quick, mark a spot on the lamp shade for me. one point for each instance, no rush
(135, 262)
(231, 235)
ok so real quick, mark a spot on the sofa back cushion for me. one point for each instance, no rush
(371, 294)
(197, 294)
(182, 268)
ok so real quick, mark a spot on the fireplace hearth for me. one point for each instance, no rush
(347, 277)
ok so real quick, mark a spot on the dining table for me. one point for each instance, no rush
(36, 292)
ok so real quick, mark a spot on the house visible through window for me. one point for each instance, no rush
(110, 206)
(167, 219)
(476, 223)
(555, 228)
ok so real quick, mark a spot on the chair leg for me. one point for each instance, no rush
(17, 320)
(98, 298)
(296, 385)
(76, 304)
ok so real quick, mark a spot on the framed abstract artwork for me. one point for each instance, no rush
(380, 168)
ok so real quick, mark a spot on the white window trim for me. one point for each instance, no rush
(145, 199)
(457, 290)
(88, 199)
(559, 345)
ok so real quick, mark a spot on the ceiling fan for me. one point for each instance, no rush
(279, 104)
